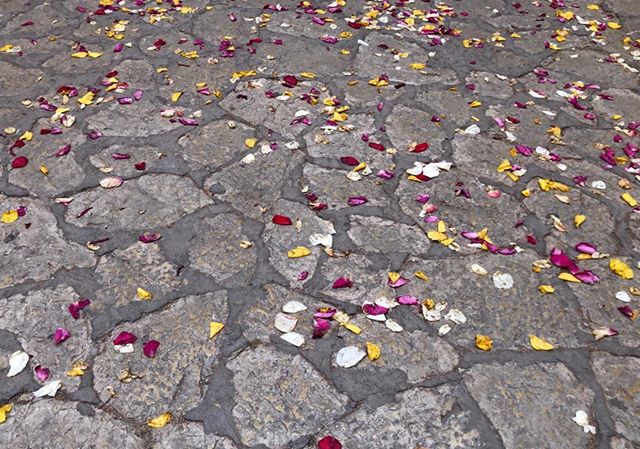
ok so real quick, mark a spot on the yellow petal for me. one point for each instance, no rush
(4, 411)
(373, 351)
(94, 54)
(475, 104)
(214, 328)
(77, 370)
(27, 135)
(621, 269)
(614, 25)
(309, 75)
(394, 276)
(9, 216)
(417, 65)
(176, 96)
(421, 275)
(87, 98)
(579, 219)
(568, 277)
(353, 328)
(546, 289)
(160, 421)
(143, 294)
(300, 251)
(631, 201)
(250, 143)
(484, 342)
(539, 344)
(44, 170)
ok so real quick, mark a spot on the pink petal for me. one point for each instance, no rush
(42, 373)
(325, 312)
(356, 200)
(399, 283)
(60, 335)
(150, 348)
(407, 300)
(303, 275)
(586, 248)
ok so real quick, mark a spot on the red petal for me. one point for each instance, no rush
(349, 160)
(282, 220)
(76, 307)
(376, 146)
(419, 148)
(19, 162)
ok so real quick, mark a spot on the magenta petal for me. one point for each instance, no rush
(120, 156)
(320, 327)
(324, 313)
(342, 283)
(626, 311)
(356, 200)
(60, 335)
(586, 248)
(150, 237)
(303, 275)
(124, 338)
(560, 259)
(374, 309)
(42, 373)
(150, 348)
(76, 307)
(407, 300)
(329, 442)
(587, 277)
(469, 235)
(63, 151)
(399, 283)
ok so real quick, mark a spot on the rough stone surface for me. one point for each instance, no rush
(274, 398)
(450, 119)
(531, 406)
(169, 381)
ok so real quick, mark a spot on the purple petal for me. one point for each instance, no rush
(60, 335)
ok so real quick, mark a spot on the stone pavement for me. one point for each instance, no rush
(350, 224)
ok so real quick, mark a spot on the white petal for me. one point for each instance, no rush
(393, 325)
(444, 329)
(503, 281)
(124, 349)
(48, 389)
(456, 316)
(479, 270)
(111, 182)
(321, 239)
(17, 362)
(293, 307)
(285, 323)
(349, 356)
(294, 338)
(623, 296)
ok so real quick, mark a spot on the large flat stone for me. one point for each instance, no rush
(280, 397)
(531, 406)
